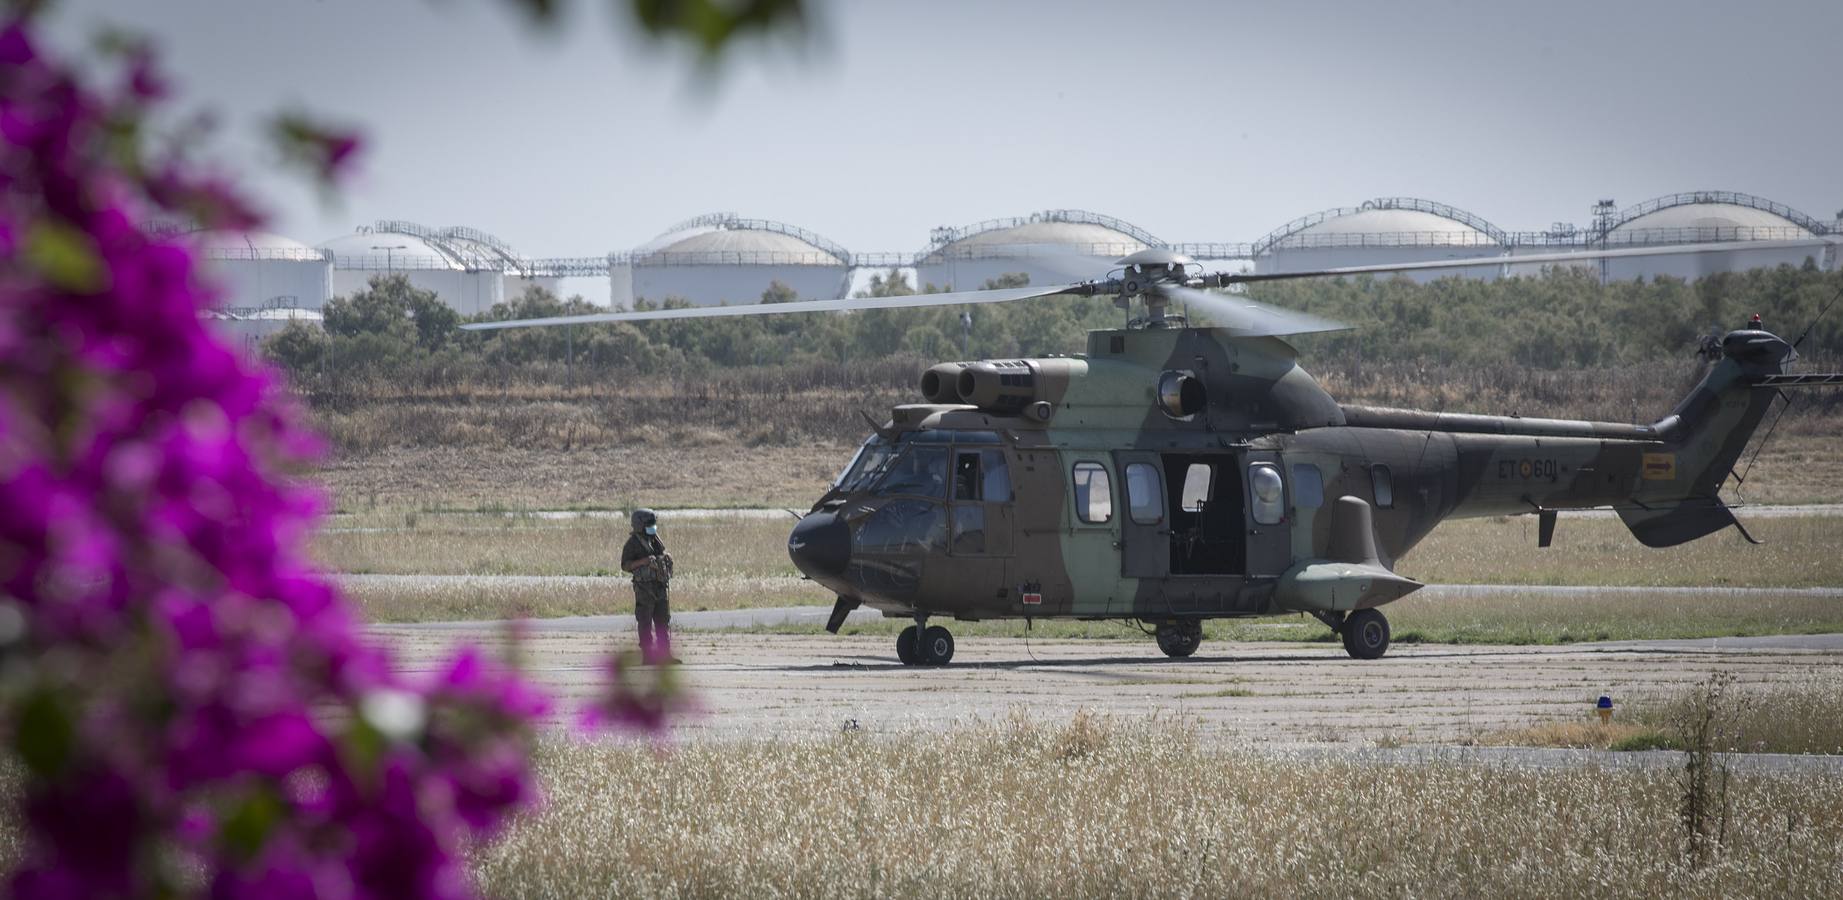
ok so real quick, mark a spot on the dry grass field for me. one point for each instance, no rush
(1100, 807)
(706, 468)
(715, 473)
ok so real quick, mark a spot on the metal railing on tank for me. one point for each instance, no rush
(1728, 198)
(277, 254)
(733, 222)
(1412, 204)
(737, 258)
(1312, 241)
(944, 236)
(1101, 250)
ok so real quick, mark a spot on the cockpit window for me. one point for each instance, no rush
(869, 461)
(919, 471)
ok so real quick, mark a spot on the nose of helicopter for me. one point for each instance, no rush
(820, 545)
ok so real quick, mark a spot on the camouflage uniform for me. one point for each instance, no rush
(652, 610)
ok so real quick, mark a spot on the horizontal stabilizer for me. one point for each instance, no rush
(1672, 525)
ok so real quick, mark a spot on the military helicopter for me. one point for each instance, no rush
(1173, 474)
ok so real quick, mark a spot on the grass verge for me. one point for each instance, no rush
(413, 600)
(1780, 717)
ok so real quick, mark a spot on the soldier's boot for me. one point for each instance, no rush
(662, 646)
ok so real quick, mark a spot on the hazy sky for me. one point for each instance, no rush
(1200, 121)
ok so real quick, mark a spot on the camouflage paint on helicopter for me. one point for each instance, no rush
(1174, 475)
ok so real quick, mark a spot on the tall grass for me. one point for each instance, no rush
(1097, 807)
(1732, 715)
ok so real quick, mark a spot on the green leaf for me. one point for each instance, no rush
(247, 827)
(65, 257)
(43, 739)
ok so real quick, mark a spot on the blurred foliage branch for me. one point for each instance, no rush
(710, 26)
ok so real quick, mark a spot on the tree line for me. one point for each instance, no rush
(1564, 319)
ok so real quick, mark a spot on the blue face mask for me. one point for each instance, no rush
(652, 529)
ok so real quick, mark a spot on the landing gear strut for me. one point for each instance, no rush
(1179, 639)
(923, 645)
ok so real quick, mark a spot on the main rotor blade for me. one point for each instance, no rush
(1532, 259)
(799, 306)
(1248, 317)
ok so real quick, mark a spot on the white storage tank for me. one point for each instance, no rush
(1382, 231)
(1702, 217)
(723, 258)
(1055, 246)
(463, 278)
(257, 270)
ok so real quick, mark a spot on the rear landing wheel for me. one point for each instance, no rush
(1179, 639)
(906, 649)
(937, 646)
(1366, 634)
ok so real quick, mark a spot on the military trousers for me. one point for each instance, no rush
(652, 611)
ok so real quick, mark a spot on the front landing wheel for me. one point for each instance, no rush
(937, 644)
(1179, 639)
(907, 647)
(1366, 634)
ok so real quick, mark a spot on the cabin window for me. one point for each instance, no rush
(1268, 492)
(921, 471)
(1144, 499)
(966, 475)
(1384, 484)
(903, 527)
(1093, 493)
(1196, 487)
(1308, 486)
(981, 475)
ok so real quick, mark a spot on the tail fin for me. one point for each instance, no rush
(1679, 493)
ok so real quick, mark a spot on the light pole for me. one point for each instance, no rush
(387, 248)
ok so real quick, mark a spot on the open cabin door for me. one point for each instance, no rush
(1267, 514)
(1145, 530)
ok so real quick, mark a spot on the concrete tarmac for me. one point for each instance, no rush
(1306, 698)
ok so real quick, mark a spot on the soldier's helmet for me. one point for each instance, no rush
(642, 518)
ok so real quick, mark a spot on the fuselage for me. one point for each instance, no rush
(1081, 494)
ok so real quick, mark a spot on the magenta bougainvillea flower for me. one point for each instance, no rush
(190, 700)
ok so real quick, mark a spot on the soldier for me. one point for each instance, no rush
(645, 557)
